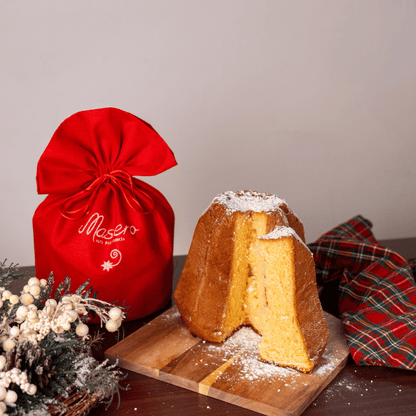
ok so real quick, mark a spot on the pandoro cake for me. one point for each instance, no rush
(248, 265)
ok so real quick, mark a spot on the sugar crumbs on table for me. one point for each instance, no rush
(326, 365)
(242, 346)
(170, 314)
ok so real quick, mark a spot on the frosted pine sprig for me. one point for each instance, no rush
(34, 317)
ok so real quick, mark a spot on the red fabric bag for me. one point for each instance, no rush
(98, 221)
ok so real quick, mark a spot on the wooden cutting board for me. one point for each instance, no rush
(164, 349)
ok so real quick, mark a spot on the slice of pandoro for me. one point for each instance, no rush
(284, 294)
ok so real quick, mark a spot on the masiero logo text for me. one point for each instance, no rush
(103, 235)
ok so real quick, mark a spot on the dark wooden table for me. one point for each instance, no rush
(356, 391)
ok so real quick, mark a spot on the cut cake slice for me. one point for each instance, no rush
(291, 321)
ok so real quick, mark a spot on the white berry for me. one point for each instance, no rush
(2, 364)
(66, 326)
(33, 281)
(6, 295)
(72, 315)
(111, 325)
(8, 345)
(52, 303)
(26, 299)
(32, 390)
(14, 331)
(114, 313)
(14, 299)
(22, 311)
(82, 330)
(11, 396)
(34, 290)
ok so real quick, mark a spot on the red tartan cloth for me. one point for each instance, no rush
(376, 294)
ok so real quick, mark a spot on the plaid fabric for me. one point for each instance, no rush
(376, 294)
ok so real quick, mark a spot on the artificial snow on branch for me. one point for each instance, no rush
(46, 353)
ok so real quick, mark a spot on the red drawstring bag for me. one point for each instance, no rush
(98, 221)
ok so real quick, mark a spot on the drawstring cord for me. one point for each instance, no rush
(122, 180)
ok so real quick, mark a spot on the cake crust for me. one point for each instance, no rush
(311, 317)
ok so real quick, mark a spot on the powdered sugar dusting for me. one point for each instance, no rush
(242, 352)
(243, 345)
(170, 314)
(279, 232)
(249, 201)
(327, 363)
(283, 231)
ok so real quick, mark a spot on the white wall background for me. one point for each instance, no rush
(313, 100)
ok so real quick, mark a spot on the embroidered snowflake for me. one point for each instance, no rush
(107, 265)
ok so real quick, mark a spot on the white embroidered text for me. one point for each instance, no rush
(94, 227)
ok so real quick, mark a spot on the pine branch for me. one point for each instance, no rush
(9, 274)
(58, 364)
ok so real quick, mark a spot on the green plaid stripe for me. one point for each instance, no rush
(377, 294)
